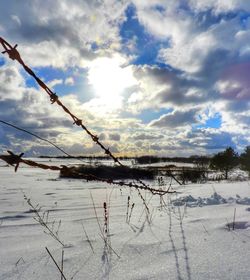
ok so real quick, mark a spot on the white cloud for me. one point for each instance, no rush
(189, 55)
(54, 83)
(12, 83)
(191, 40)
(16, 19)
(62, 35)
(69, 81)
(167, 24)
(220, 6)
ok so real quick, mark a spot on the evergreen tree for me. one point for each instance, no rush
(225, 161)
(245, 159)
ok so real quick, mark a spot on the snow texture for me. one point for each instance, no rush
(187, 235)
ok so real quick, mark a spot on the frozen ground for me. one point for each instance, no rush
(187, 236)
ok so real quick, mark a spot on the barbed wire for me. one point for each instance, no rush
(15, 160)
(15, 55)
(35, 135)
(41, 138)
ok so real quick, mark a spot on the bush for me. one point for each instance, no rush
(108, 172)
(192, 175)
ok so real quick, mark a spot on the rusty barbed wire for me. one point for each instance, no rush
(15, 55)
(41, 138)
(53, 144)
(15, 160)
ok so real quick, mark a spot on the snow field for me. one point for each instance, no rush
(184, 237)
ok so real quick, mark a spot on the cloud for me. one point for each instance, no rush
(219, 6)
(69, 81)
(114, 137)
(146, 136)
(176, 119)
(62, 35)
(234, 82)
(30, 109)
(193, 37)
(209, 139)
(198, 70)
(164, 88)
(55, 82)
(12, 84)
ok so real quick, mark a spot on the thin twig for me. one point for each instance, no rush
(56, 263)
(42, 222)
(110, 247)
(88, 240)
(62, 264)
(234, 218)
(98, 222)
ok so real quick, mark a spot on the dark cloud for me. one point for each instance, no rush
(208, 140)
(176, 119)
(145, 136)
(102, 136)
(114, 137)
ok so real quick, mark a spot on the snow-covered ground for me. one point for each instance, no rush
(187, 236)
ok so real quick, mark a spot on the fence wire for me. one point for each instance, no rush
(15, 161)
(15, 55)
(41, 138)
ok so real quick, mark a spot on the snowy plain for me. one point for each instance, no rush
(187, 236)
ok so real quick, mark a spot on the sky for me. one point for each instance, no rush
(157, 77)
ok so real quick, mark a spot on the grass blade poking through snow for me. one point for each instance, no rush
(63, 276)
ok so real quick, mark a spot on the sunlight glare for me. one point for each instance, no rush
(110, 78)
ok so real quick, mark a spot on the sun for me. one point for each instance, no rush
(110, 78)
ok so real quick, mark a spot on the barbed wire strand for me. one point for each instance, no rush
(51, 143)
(15, 55)
(41, 138)
(15, 160)
(51, 167)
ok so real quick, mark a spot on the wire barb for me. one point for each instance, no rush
(12, 159)
(53, 98)
(11, 51)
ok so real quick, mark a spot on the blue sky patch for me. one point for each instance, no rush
(1, 61)
(214, 122)
(146, 46)
(80, 87)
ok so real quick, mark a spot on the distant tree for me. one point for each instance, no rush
(225, 161)
(245, 160)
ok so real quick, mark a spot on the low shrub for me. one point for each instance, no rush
(108, 172)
